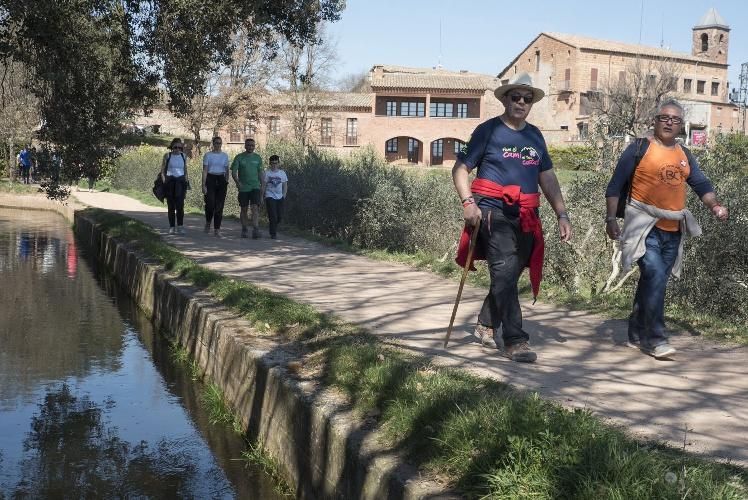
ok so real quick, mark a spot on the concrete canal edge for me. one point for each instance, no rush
(323, 450)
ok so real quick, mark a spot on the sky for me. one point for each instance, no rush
(483, 36)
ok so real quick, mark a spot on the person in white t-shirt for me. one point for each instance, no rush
(215, 182)
(274, 189)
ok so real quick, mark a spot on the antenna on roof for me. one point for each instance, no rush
(641, 23)
(439, 64)
(662, 31)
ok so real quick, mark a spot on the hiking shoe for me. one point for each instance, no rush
(662, 351)
(485, 336)
(245, 232)
(255, 233)
(520, 353)
(180, 230)
(172, 230)
(207, 227)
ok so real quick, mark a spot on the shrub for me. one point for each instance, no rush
(573, 157)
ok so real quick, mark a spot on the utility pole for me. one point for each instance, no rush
(739, 96)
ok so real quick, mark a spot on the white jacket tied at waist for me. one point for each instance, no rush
(639, 220)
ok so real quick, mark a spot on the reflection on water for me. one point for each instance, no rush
(90, 404)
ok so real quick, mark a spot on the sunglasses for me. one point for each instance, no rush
(177, 147)
(518, 97)
(675, 120)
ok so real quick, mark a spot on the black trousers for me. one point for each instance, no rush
(215, 197)
(175, 189)
(507, 250)
(275, 213)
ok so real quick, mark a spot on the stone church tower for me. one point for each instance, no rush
(711, 37)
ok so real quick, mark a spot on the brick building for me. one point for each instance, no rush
(572, 68)
(412, 116)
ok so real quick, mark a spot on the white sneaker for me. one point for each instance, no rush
(172, 230)
(180, 229)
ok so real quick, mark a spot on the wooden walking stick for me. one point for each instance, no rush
(473, 238)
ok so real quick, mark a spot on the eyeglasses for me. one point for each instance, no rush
(177, 147)
(217, 142)
(675, 120)
(518, 97)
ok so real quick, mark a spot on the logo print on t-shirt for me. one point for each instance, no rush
(530, 157)
(671, 175)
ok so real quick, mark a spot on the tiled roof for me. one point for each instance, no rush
(327, 100)
(584, 42)
(712, 18)
(401, 77)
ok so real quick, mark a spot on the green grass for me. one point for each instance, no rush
(6, 186)
(477, 435)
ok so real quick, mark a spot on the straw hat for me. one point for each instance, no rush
(521, 81)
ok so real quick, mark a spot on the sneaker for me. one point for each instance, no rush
(662, 351)
(217, 233)
(255, 233)
(634, 342)
(273, 236)
(485, 335)
(245, 232)
(180, 230)
(207, 227)
(520, 352)
(172, 230)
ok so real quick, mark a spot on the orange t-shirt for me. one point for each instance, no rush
(660, 180)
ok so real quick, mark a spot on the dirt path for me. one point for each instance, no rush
(582, 357)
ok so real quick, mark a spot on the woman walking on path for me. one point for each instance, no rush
(274, 187)
(215, 182)
(176, 182)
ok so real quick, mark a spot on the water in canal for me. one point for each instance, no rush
(91, 405)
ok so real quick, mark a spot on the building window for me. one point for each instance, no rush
(412, 109)
(437, 148)
(704, 42)
(442, 109)
(391, 145)
(593, 79)
(326, 132)
(566, 84)
(686, 85)
(537, 60)
(621, 78)
(715, 88)
(391, 108)
(351, 132)
(462, 110)
(274, 125)
(564, 127)
(652, 80)
(459, 146)
(700, 86)
(235, 135)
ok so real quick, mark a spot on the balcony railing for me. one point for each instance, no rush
(351, 140)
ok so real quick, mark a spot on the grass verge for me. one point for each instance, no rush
(477, 435)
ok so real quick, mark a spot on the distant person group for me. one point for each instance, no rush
(246, 170)
(27, 164)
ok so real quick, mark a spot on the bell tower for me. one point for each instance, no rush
(711, 37)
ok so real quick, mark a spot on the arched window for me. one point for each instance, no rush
(721, 39)
(704, 42)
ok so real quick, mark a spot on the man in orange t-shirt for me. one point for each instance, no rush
(659, 181)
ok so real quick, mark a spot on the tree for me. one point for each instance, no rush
(304, 73)
(93, 62)
(18, 110)
(233, 90)
(355, 82)
(625, 107)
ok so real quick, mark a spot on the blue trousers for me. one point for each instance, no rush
(647, 319)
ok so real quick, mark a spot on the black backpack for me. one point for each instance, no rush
(625, 196)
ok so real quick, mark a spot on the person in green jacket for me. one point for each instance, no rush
(246, 170)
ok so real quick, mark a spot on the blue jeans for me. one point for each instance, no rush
(647, 320)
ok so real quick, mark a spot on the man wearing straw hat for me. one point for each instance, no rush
(502, 202)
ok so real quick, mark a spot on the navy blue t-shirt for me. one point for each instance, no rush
(506, 156)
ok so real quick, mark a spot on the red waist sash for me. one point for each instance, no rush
(528, 220)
